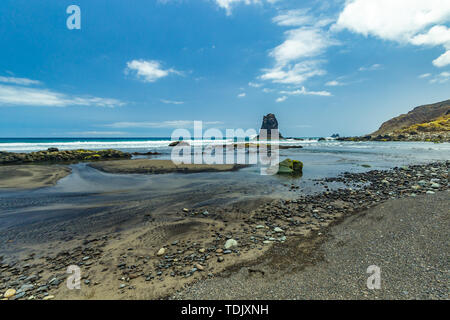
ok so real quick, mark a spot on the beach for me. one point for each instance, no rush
(173, 235)
(407, 238)
(31, 176)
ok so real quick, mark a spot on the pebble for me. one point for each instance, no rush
(49, 297)
(230, 244)
(9, 293)
(199, 267)
(19, 295)
(161, 252)
(278, 229)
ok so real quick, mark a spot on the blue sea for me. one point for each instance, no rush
(86, 189)
(321, 158)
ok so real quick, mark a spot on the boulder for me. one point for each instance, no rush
(289, 166)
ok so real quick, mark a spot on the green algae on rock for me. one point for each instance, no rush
(288, 166)
(50, 156)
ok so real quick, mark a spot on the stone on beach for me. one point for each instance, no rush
(161, 252)
(9, 293)
(230, 244)
(199, 267)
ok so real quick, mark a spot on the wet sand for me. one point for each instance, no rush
(150, 166)
(31, 176)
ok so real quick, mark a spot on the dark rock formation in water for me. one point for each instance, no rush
(270, 123)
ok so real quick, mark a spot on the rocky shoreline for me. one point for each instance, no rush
(53, 155)
(436, 137)
(125, 265)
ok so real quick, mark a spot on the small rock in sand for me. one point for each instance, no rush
(9, 293)
(161, 252)
(230, 244)
(199, 267)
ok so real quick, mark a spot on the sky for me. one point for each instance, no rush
(144, 68)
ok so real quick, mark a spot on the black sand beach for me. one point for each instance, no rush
(130, 247)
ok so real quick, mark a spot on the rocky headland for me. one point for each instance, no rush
(424, 123)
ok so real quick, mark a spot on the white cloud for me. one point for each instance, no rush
(443, 60)
(397, 20)
(333, 83)
(293, 18)
(437, 35)
(23, 96)
(148, 71)
(162, 124)
(425, 75)
(171, 101)
(293, 74)
(301, 43)
(19, 81)
(255, 85)
(228, 4)
(298, 18)
(296, 59)
(373, 67)
(242, 95)
(403, 21)
(303, 91)
(281, 99)
(443, 77)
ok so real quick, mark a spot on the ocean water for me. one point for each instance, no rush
(321, 159)
(367, 152)
(86, 190)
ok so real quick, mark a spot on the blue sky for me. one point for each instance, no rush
(144, 68)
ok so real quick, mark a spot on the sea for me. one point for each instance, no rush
(87, 190)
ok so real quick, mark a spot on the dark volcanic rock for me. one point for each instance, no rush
(270, 123)
(8, 158)
(178, 143)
